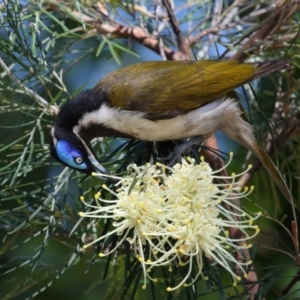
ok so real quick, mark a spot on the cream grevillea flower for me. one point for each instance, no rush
(178, 214)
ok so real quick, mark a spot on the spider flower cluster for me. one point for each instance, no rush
(176, 216)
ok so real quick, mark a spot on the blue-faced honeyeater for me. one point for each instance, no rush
(160, 101)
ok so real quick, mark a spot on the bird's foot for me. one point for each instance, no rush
(179, 150)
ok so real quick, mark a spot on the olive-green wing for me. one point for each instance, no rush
(161, 87)
(158, 87)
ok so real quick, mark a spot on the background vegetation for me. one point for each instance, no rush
(50, 50)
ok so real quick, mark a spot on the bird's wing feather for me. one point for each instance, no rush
(161, 87)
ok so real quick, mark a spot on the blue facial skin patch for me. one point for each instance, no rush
(67, 153)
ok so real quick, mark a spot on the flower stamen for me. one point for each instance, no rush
(176, 216)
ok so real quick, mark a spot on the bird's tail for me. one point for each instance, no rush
(240, 130)
(265, 68)
(266, 161)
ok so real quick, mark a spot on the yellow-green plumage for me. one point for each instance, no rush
(154, 87)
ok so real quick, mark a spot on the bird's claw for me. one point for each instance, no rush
(176, 156)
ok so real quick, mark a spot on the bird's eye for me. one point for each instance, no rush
(78, 160)
(70, 155)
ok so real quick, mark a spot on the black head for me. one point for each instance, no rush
(71, 150)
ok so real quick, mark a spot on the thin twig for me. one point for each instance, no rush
(270, 26)
(291, 284)
(183, 44)
(118, 30)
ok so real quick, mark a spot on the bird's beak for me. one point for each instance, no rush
(98, 167)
